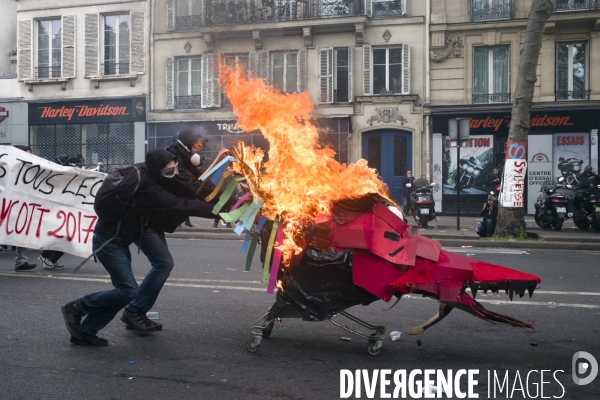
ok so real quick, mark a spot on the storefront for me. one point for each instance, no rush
(555, 134)
(111, 131)
(13, 122)
(333, 132)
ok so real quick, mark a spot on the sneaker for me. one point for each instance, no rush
(216, 224)
(89, 340)
(49, 264)
(25, 267)
(72, 318)
(139, 322)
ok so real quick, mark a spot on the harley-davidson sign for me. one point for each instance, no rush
(110, 110)
(3, 113)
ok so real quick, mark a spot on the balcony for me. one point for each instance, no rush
(113, 68)
(53, 71)
(188, 102)
(387, 9)
(575, 5)
(234, 12)
(572, 95)
(340, 96)
(491, 98)
(483, 10)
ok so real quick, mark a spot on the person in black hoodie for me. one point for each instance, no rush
(153, 211)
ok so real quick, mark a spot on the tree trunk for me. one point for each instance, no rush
(512, 219)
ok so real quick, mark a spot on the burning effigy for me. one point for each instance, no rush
(331, 235)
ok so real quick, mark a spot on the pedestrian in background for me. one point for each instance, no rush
(408, 181)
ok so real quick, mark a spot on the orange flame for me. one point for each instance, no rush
(301, 178)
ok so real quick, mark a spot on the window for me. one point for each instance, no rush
(491, 9)
(491, 75)
(387, 70)
(335, 75)
(284, 72)
(389, 8)
(236, 62)
(116, 44)
(189, 87)
(189, 14)
(571, 71)
(571, 5)
(49, 43)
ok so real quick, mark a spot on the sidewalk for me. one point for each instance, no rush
(443, 230)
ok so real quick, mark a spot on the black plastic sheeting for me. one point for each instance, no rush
(319, 287)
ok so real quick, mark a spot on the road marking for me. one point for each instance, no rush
(263, 289)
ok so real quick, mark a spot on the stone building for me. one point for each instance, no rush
(475, 56)
(82, 71)
(362, 63)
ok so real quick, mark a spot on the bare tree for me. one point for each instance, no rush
(511, 220)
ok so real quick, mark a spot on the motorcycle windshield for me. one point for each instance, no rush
(420, 183)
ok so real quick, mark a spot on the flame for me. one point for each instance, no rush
(301, 179)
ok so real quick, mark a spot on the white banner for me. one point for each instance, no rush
(513, 184)
(540, 167)
(44, 205)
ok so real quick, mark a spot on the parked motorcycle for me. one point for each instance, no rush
(469, 169)
(551, 206)
(422, 202)
(570, 169)
(586, 208)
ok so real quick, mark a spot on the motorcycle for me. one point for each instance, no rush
(570, 169)
(422, 202)
(551, 206)
(469, 170)
(586, 208)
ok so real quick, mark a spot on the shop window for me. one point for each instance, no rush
(386, 70)
(491, 75)
(572, 71)
(115, 54)
(335, 75)
(237, 63)
(110, 143)
(49, 43)
(188, 14)
(189, 83)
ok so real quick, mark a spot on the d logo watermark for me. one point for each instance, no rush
(582, 367)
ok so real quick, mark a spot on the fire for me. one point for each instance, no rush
(301, 178)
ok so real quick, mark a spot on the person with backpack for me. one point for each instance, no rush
(133, 206)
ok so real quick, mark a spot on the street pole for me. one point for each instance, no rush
(458, 144)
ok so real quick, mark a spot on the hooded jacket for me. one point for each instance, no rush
(153, 206)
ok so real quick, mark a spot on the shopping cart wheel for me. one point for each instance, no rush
(373, 349)
(251, 346)
(266, 332)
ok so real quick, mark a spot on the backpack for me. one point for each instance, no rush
(116, 193)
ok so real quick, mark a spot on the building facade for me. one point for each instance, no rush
(360, 61)
(81, 70)
(475, 56)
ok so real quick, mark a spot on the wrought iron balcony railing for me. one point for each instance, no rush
(188, 23)
(230, 12)
(572, 95)
(491, 98)
(53, 71)
(575, 5)
(494, 9)
(188, 102)
(112, 68)
(387, 9)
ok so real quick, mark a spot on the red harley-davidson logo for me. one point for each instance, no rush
(3, 114)
(139, 107)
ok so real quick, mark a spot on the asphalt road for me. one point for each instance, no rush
(210, 303)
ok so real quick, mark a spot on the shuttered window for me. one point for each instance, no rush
(389, 70)
(335, 78)
(211, 90)
(189, 83)
(238, 62)
(49, 46)
(285, 72)
(116, 35)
